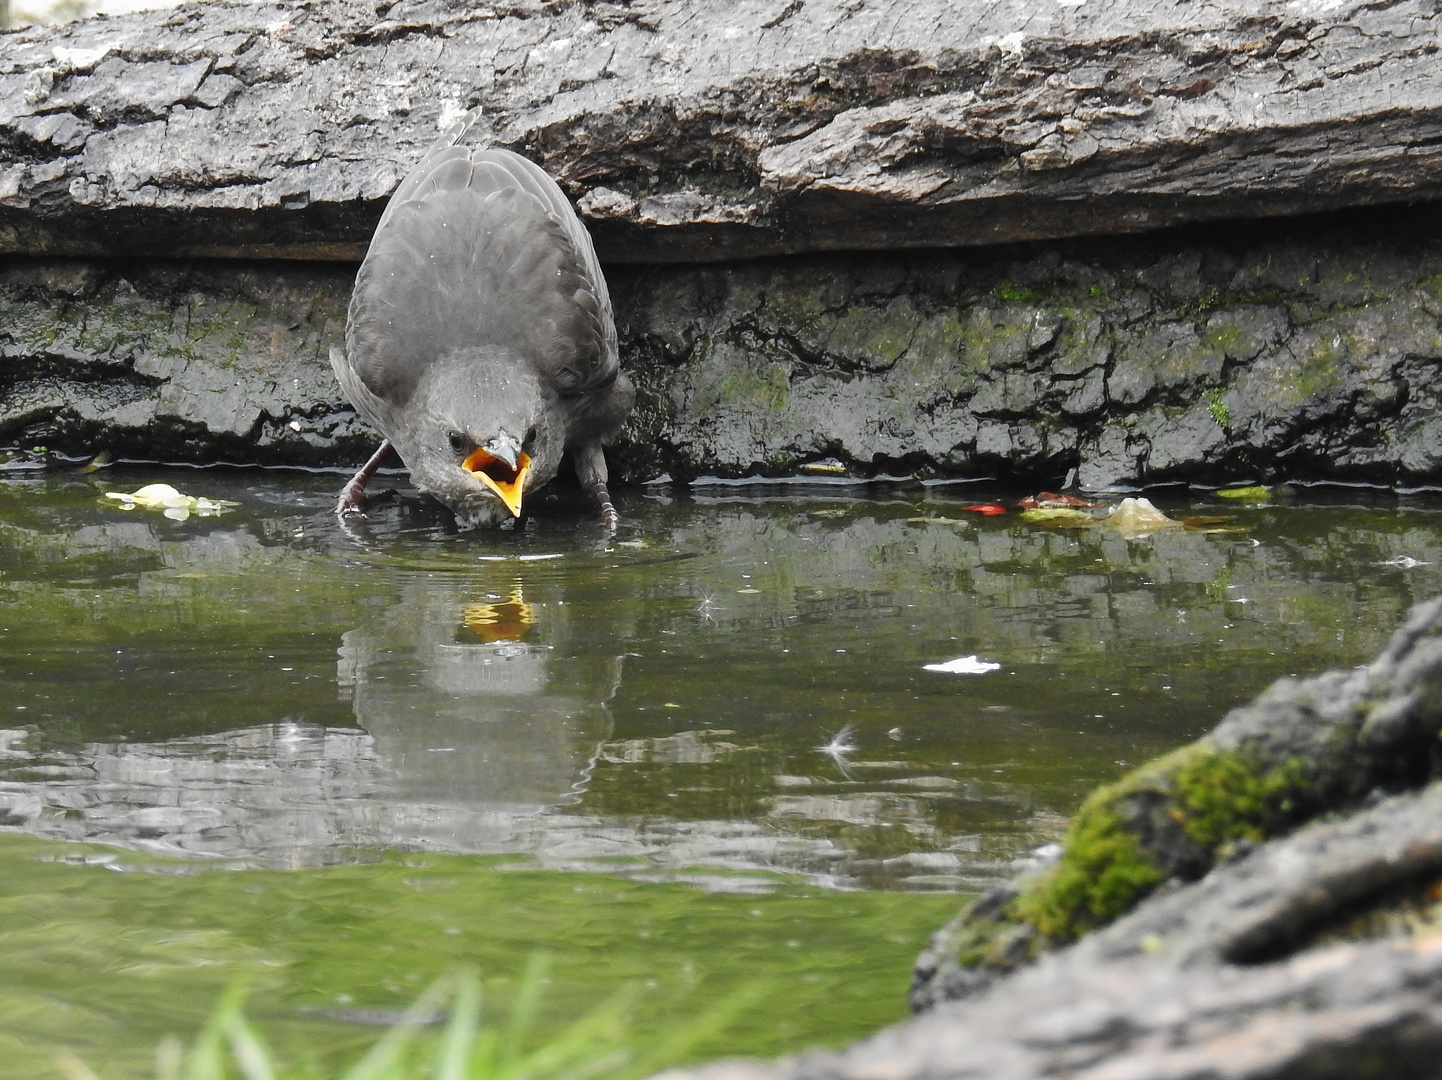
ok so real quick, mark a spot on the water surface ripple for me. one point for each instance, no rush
(733, 684)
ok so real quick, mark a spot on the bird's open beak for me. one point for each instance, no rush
(507, 479)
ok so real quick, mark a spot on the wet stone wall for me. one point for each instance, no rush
(1309, 349)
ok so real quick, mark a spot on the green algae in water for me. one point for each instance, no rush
(1060, 517)
(1255, 493)
(105, 959)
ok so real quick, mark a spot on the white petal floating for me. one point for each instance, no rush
(156, 494)
(963, 665)
(172, 503)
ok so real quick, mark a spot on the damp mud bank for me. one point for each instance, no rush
(1124, 243)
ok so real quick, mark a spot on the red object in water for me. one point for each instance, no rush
(1051, 500)
(986, 508)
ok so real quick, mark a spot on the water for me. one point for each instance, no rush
(721, 710)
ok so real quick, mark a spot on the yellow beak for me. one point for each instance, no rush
(498, 475)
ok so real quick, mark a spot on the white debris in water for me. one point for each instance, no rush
(1134, 518)
(838, 749)
(171, 502)
(963, 665)
(840, 743)
(1404, 562)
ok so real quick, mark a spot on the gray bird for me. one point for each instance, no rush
(480, 341)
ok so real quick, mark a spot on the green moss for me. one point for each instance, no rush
(1103, 872)
(995, 338)
(1223, 337)
(1216, 797)
(1205, 302)
(944, 332)
(875, 337)
(1321, 369)
(994, 940)
(1226, 796)
(791, 303)
(769, 387)
(1015, 293)
(1218, 408)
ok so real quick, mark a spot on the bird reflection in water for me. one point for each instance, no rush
(482, 717)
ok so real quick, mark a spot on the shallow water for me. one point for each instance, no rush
(729, 693)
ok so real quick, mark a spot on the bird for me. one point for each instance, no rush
(480, 341)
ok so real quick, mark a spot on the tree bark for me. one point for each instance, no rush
(697, 130)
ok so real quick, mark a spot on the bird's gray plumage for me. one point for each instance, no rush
(480, 314)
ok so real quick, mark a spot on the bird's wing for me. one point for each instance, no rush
(480, 248)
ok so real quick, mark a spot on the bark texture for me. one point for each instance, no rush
(697, 130)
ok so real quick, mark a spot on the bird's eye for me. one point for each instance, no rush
(530, 440)
(459, 443)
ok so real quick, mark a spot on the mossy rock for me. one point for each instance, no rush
(1303, 748)
(1174, 817)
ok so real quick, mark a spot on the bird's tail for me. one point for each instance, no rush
(457, 130)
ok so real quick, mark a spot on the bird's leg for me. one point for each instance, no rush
(609, 517)
(352, 496)
(591, 471)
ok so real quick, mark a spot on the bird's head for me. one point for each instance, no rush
(479, 433)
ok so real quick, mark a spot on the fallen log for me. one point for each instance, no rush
(694, 130)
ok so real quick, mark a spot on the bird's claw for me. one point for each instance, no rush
(352, 501)
(353, 496)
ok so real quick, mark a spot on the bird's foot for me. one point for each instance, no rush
(353, 496)
(355, 504)
(352, 499)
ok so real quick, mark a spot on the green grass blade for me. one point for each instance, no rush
(382, 1057)
(169, 1057)
(207, 1057)
(486, 1056)
(525, 1006)
(592, 1044)
(459, 1040)
(247, 1049)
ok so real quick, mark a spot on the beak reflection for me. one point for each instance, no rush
(507, 620)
